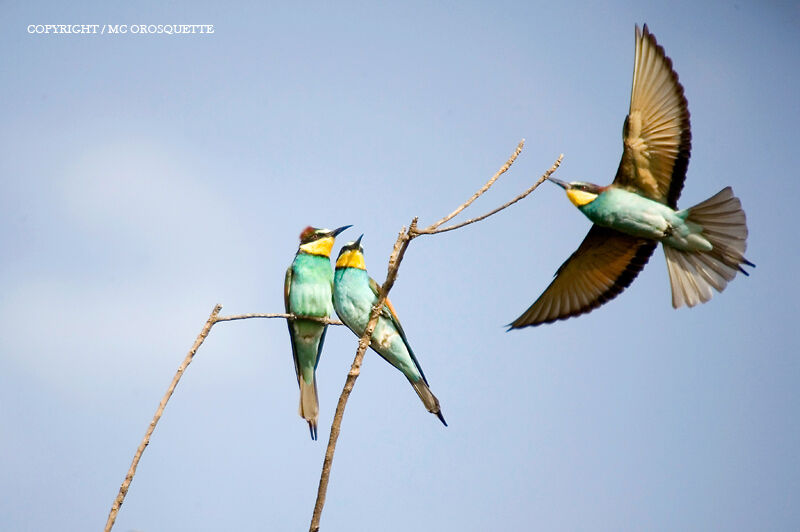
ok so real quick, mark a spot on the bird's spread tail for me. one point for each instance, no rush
(428, 399)
(693, 274)
(309, 405)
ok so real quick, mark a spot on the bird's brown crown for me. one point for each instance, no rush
(308, 234)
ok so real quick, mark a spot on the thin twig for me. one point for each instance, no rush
(403, 239)
(548, 173)
(123, 489)
(326, 321)
(484, 188)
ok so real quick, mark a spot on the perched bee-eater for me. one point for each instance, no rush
(704, 245)
(354, 294)
(307, 291)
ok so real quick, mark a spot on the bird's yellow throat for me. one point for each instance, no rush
(579, 198)
(351, 259)
(319, 247)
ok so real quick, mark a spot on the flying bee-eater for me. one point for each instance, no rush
(307, 291)
(354, 294)
(704, 245)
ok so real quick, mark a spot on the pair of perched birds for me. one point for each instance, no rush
(311, 289)
(704, 245)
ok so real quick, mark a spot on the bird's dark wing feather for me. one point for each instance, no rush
(319, 346)
(389, 313)
(657, 139)
(606, 262)
(287, 287)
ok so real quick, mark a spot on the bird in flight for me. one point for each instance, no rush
(704, 245)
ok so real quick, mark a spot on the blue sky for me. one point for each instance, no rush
(147, 177)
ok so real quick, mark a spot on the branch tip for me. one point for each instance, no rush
(503, 169)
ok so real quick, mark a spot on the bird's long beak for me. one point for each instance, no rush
(340, 229)
(562, 184)
(358, 240)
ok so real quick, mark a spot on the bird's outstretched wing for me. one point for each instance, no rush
(656, 136)
(606, 262)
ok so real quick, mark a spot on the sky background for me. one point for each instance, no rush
(147, 177)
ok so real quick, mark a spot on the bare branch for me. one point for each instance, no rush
(123, 490)
(403, 239)
(212, 320)
(548, 173)
(484, 188)
(290, 317)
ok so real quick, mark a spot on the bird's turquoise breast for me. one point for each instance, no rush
(310, 293)
(633, 214)
(353, 297)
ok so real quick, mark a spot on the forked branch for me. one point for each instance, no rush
(403, 240)
(434, 230)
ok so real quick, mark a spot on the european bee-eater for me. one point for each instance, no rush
(704, 245)
(307, 291)
(354, 294)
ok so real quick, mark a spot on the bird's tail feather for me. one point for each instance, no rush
(309, 404)
(428, 399)
(693, 274)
